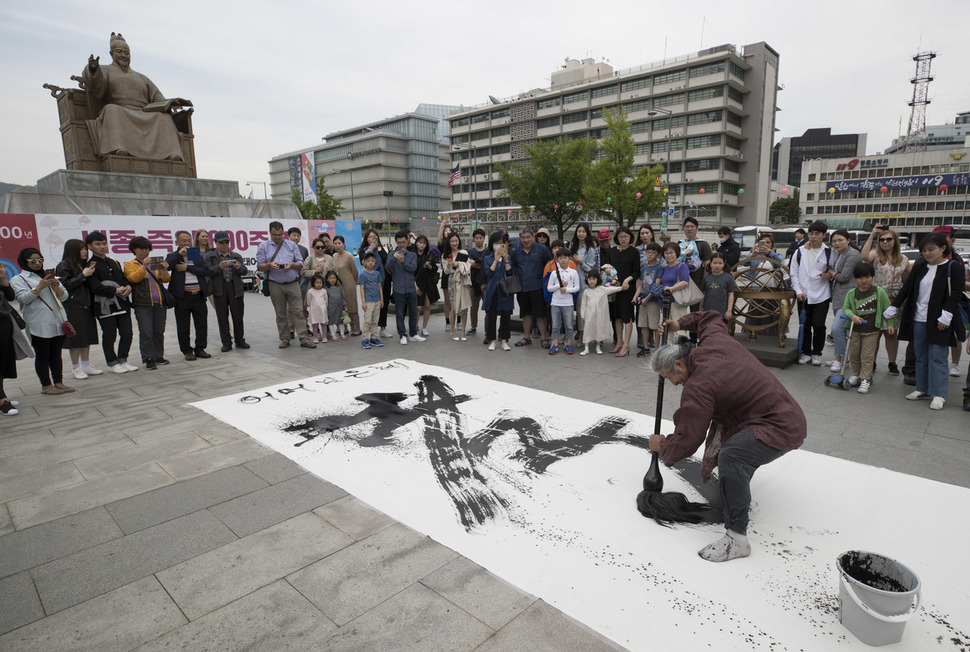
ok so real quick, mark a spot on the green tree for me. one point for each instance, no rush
(613, 185)
(327, 207)
(551, 180)
(785, 210)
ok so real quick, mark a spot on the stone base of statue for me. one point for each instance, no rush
(76, 109)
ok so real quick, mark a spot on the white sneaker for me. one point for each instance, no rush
(386, 333)
(418, 338)
(836, 366)
(917, 395)
(424, 331)
(491, 347)
(129, 367)
(816, 361)
(79, 374)
(584, 352)
(506, 347)
(118, 369)
(863, 387)
(599, 350)
(954, 370)
(853, 381)
(730, 546)
(937, 403)
(404, 340)
(91, 371)
(804, 359)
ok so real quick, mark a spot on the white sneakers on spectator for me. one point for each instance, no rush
(404, 340)
(937, 403)
(804, 359)
(853, 381)
(89, 370)
(129, 367)
(954, 370)
(424, 331)
(864, 387)
(917, 395)
(816, 361)
(491, 347)
(386, 333)
(79, 374)
(118, 369)
(418, 338)
(506, 347)
(836, 366)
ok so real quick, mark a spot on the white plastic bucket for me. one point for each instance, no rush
(877, 596)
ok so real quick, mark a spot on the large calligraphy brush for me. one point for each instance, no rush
(671, 507)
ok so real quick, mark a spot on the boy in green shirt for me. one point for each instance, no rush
(864, 305)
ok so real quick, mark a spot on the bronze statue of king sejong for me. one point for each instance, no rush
(135, 119)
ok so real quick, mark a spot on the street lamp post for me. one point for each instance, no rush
(250, 184)
(474, 185)
(351, 171)
(670, 124)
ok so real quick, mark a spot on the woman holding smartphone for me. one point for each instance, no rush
(73, 272)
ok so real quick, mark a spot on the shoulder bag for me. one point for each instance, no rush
(266, 283)
(689, 295)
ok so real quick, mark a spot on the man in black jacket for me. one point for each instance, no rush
(188, 286)
(800, 239)
(226, 268)
(729, 248)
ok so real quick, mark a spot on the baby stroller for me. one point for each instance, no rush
(841, 379)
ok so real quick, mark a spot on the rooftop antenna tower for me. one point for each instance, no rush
(916, 132)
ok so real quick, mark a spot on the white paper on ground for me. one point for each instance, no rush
(572, 535)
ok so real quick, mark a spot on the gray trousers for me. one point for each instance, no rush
(288, 304)
(151, 331)
(737, 461)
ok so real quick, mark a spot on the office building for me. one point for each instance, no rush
(719, 105)
(788, 154)
(947, 136)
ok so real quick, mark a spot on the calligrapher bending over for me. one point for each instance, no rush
(748, 417)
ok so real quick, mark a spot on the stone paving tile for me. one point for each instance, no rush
(6, 525)
(941, 468)
(119, 620)
(420, 620)
(260, 509)
(47, 507)
(48, 451)
(354, 517)
(175, 500)
(542, 628)
(276, 617)
(864, 452)
(275, 468)
(52, 417)
(46, 542)
(214, 458)
(19, 603)
(99, 466)
(891, 436)
(488, 598)
(71, 430)
(354, 580)
(218, 577)
(29, 483)
(70, 580)
(113, 401)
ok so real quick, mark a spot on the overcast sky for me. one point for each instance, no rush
(273, 78)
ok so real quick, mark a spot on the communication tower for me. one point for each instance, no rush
(916, 132)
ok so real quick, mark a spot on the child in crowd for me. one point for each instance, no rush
(864, 305)
(649, 297)
(595, 310)
(370, 283)
(546, 273)
(719, 288)
(336, 304)
(316, 303)
(563, 284)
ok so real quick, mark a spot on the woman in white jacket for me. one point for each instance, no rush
(811, 274)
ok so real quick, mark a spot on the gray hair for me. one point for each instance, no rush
(665, 357)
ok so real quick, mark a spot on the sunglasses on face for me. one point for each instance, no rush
(319, 247)
(35, 260)
(885, 239)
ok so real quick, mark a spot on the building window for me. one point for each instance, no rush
(548, 103)
(635, 84)
(709, 69)
(705, 117)
(732, 142)
(502, 149)
(695, 188)
(500, 131)
(551, 121)
(598, 113)
(603, 91)
(481, 117)
(705, 93)
(669, 100)
(641, 105)
(674, 121)
(642, 149)
(461, 122)
(661, 145)
(501, 113)
(810, 196)
(704, 141)
(574, 97)
(734, 119)
(737, 71)
(596, 134)
(731, 166)
(668, 77)
(809, 210)
(811, 177)
(576, 136)
(640, 127)
(458, 140)
(479, 135)
(699, 165)
(736, 95)
(570, 118)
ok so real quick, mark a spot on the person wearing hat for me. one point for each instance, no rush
(226, 268)
(543, 237)
(188, 286)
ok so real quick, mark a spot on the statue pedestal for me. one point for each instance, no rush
(767, 351)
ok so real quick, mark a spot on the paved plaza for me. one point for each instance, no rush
(131, 520)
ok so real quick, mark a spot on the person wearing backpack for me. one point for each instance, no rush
(811, 276)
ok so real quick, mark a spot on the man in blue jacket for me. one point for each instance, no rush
(529, 258)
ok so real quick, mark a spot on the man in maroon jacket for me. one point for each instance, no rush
(747, 416)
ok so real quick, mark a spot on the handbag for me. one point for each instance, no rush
(510, 284)
(22, 347)
(266, 280)
(689, 295)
